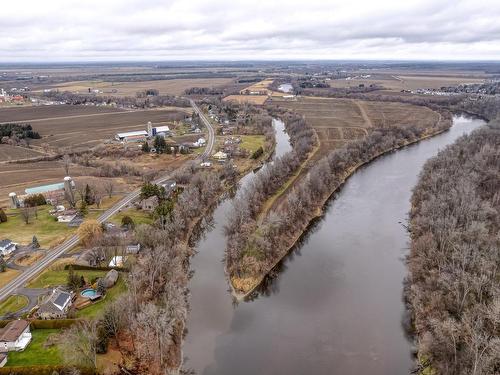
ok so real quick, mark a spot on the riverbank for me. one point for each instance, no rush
(241, 288)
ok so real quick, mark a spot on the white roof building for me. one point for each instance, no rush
(117, 261)
(134, 134)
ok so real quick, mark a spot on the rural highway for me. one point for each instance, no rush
(38, 267)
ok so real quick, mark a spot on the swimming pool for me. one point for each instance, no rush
(90, 293)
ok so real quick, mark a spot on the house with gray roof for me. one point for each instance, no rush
(56, 306)
(15, 336)
(7, 247)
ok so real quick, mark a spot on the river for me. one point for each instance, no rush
(334, 305)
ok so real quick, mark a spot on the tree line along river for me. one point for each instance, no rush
(334, 304)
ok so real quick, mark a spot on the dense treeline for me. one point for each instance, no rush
(453, 288)
(254, 248)
(18, 131)
(487, 107)
(121, 101)
(248, 205)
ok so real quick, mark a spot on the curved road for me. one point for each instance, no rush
(38, 267)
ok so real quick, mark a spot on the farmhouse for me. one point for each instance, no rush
(15, 336)
(220, 156)
(56, 306)
(7, 247)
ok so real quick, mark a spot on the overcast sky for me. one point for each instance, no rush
(67, 30)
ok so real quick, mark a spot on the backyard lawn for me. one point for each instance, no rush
(48, 231)
(139, 216)
(97, 308)
(36, 353)
(13, 304)
(252, 142)
(53, 278)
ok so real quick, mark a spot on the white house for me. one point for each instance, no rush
(7, 247)
(15, 336)
(220, 156)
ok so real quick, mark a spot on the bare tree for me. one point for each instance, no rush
(66, 161)
(26, 214)
(78, 344)
(109, 187)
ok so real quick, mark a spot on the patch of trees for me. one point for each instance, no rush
(120, 101)
(254, 247)
(12, 133)
(35, 200)
(454, 262)
(204, 91)
(487, 107)
(3, 216)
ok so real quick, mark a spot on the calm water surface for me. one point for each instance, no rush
(334, 305)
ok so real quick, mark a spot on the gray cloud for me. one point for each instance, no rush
(219, 29)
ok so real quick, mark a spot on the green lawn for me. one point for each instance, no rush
(13, 304)
(252, 142)
(48, 231)
(36, 353)
(139, 216)
(97, 308)
(60, 277)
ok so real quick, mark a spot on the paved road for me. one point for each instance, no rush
(38, 267)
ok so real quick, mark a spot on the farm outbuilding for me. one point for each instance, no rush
(135, 136)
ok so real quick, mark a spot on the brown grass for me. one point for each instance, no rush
(165, 87)
(8, 152)
(252, 99)
(408, 81)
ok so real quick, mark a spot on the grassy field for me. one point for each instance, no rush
(53, 277)
(48, 231)
(96, 309)
(252, 99)
(37, 353)
(8, 152)
(13, 304)
(397, 81)
(139, 216)
(165, 87)
(8, 275)
(252, 142)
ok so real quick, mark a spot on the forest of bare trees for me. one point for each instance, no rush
(253, 248)
(453, 289)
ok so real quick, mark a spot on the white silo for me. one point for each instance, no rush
(14, 201)
(150, 129)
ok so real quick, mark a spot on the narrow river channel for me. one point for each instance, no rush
(335, 304)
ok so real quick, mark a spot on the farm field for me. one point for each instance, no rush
(252, 99)
(405, 81)
(8, 152)
(165, 87)
(25, 114)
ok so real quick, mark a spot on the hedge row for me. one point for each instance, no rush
(81, 267)
(46, 324)
(42, 370)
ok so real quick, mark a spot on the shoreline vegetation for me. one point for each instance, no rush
(254, 254)
(452, 288)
